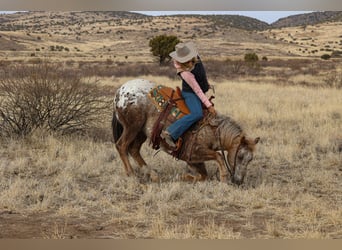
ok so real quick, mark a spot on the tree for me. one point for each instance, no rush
(162, 46)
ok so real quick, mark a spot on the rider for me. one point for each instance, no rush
(194, 86)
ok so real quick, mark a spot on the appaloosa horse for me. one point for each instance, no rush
(133, 120)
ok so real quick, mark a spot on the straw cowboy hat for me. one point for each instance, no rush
(184, 52)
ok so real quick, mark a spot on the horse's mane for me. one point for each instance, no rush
(227, 127)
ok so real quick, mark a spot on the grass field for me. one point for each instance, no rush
(75, 187)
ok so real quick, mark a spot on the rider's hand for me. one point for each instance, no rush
(212, 110)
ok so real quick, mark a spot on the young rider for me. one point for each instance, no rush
(194, 86)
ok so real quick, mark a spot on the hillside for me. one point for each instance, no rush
(123, 36)
(118, 36)
(308, 19)
(12, 21)
(234, 21)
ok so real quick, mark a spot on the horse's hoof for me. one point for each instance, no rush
(188, 177)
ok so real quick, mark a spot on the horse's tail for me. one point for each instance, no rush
(117, 128)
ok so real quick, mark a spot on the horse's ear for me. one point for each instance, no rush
(256, 140)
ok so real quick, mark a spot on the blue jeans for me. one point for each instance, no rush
(194, 104)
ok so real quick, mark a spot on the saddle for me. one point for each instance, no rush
(162, 96)
(172, 107)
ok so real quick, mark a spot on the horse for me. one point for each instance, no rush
(133, 119)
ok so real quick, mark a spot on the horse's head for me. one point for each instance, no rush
(243, 155)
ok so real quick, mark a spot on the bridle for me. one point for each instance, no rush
(225, 162)
(230, 170)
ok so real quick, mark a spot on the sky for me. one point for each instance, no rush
(266, 16)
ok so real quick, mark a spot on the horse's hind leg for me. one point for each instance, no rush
(200, 171)
(134, 149)
(122, 145)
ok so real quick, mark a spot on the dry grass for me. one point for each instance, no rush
(75, 187)
(293, 187)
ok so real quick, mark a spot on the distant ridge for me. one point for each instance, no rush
(11, 21)
(122, 36)
(308, 19)
(235, 21)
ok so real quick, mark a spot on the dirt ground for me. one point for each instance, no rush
(47, 225)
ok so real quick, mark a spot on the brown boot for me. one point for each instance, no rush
(168, 139)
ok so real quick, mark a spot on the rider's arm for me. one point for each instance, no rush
(191, 81)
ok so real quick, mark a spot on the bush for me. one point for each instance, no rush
(251, 57)
(251, 60)
(325, 57)
(336, 54)
(46, 96)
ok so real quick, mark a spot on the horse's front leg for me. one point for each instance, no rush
(199, 169)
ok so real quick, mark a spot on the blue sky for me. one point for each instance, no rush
(266, 16)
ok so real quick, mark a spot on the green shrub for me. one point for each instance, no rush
(325, 57)
(251, 57)
(253, 67)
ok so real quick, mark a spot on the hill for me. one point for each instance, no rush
(118, 36)
(308, 19)
(234, 21)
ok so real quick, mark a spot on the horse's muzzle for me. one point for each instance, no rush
(237, 181)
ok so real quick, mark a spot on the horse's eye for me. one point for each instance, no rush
(240, 157)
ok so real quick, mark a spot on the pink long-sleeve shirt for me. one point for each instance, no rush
(191, 81)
